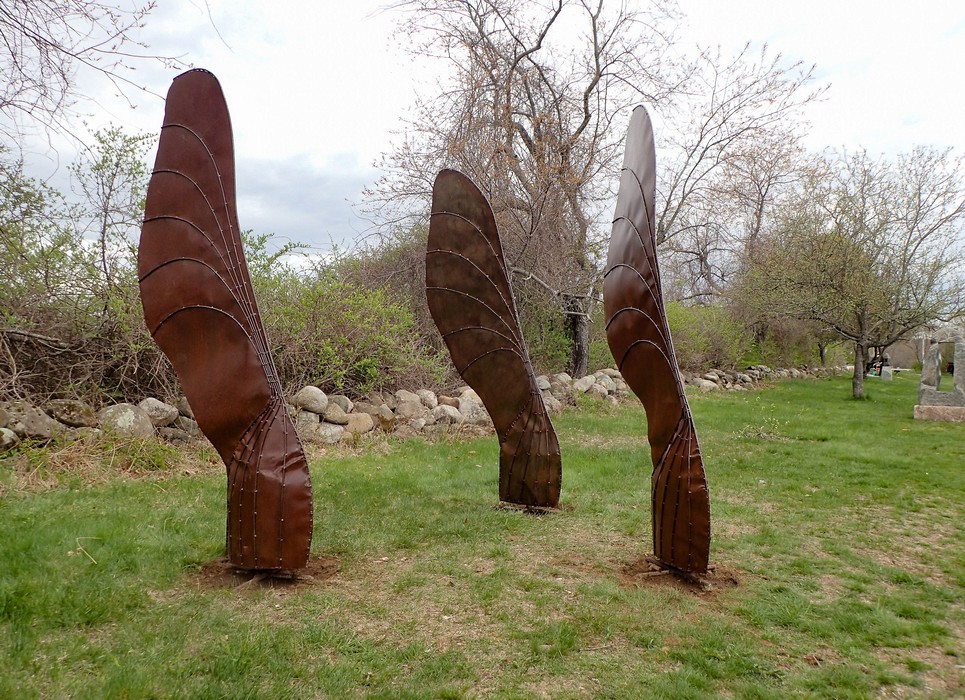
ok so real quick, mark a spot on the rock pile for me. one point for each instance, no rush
(70, 419)
(329, 419)
(718, 379)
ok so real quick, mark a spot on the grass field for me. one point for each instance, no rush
(839, 545)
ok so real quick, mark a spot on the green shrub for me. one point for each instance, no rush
(707, 336)
(344, 338)
(334, 334)
(71, 321)
(542, 325)
(788, 342)
(600, 355)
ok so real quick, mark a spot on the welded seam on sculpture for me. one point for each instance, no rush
(648, 220)
(217, 172)
(652, 322)
(691, 438)
(511, 351)
(171, 261)
(465, 329)
(234, 262)
(526, 431)
(652, 286)
(197, 229)
(498, 254)
(493, 283)
(648, 285)
(477, 229)
(479, 301)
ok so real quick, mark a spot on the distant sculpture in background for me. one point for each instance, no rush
(639, 338)
(933, 403)
(200, 308)
(471, 301)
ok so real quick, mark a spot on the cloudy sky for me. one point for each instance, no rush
(317, 88)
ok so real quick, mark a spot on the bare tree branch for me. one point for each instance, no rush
(47, 43)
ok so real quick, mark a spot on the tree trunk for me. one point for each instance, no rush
(823, 351)
(578, 334)
(857, 380)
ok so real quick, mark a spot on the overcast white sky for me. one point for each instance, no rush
(317, 87)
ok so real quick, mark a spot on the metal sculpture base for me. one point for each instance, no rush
(533, 510)
(660, 568)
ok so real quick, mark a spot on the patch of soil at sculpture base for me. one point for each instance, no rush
(220, 574)
(644, 572)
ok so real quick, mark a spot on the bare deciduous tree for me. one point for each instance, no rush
(730, 145)
(112, 179)
(46, 43)
(535, 113)
(534, 116)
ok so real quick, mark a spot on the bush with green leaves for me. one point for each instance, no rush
(70, 315)
(71, 323)
(542, 327)
(336, 334)
(788, 342)
(347, 339)
(707, 336)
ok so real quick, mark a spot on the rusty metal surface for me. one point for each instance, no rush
(471, 301)
(200, 308)
(639, 338)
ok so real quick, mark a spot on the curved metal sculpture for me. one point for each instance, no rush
(200, 308)
(471, 301)
(639, 338)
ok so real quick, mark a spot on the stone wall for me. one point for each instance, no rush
(329, 419)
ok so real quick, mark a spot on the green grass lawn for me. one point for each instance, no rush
(838, 537)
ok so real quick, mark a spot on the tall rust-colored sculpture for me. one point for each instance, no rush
(471, 301)
(200, 308)
(639, 338)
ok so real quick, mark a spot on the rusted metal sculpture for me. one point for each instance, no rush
(471, 301)
(639, 338)
(200, 308)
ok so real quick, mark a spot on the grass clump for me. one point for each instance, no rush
(93, 460)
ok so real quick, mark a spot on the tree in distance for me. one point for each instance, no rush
(47, 46)
(871, 250)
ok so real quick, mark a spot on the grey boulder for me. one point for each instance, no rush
(72, 412)
(161, 414)
(311, 398)
(126, 419)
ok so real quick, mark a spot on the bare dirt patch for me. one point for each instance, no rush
(642, 572)
(220, 574)
(822, 656)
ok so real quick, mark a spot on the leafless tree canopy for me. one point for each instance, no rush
(46, 43)
(534, 114)
(732, 148)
